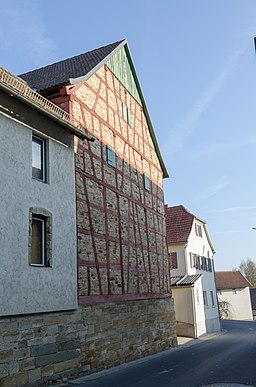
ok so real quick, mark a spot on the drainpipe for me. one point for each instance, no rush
(194, 310)
(185, 258)
(213, 267)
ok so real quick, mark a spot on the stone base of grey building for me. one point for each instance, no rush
(38, 348)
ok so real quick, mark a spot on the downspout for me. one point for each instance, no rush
(185, 257)
(194, 311)
(213, 266)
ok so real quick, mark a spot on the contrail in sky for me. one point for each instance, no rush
(183, 130)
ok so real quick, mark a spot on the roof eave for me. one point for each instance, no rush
(46, 112)
(151, 128)
(84, 78)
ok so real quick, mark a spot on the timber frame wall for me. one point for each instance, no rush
(122, 251)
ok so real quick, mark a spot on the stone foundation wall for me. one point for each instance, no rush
(37, 348)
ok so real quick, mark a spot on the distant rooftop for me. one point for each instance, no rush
(231, 280)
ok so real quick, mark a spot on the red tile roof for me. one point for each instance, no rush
(178, 224)
(231, 280)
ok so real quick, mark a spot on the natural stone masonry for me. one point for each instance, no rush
(37, 348)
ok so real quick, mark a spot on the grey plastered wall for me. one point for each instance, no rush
(24, 288)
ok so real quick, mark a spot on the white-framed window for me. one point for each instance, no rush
(38, 246)
(147, 183)
(126, 113)
(205, 299)
(212, 298)
(40, 237)
(38, 158)
(111, 156)
(129, 117)
(198, 229)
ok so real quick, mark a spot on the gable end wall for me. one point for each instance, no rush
(121, 226)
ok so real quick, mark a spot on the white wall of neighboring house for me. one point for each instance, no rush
(199, 308)
(239, 303)
(207, 316)
(200, 245)
(190, 317)
(185, 314)
(25, 288)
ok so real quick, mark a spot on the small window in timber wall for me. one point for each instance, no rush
(38, 158)
(40, 237)
(111, 157)
(174, 261)
(129, 117)
(147, 183)
(124, 111)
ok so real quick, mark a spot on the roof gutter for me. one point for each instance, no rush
(46, 112)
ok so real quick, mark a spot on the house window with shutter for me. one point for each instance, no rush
(212, 298)
(198, 229)
(111, 157)
(209, 264)
(205, 299)
(197, 257)
(174, 261)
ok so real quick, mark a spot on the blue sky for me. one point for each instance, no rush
(197, 68)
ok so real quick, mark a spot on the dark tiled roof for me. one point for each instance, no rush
(185, 280)
(253, 297)
(59, 73)
(178, 224)
(176, 279)
(231, 280)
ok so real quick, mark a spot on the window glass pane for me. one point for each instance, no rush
(111, 157)
(212, 298)
(38, 158)
(205, 298)
(37, 242)
(147, 183)
(129, 117)
(124, 111)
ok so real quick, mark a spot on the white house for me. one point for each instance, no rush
(193, 277)
(234, 295)
(37, 196)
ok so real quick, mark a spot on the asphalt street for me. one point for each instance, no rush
(219, 360)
